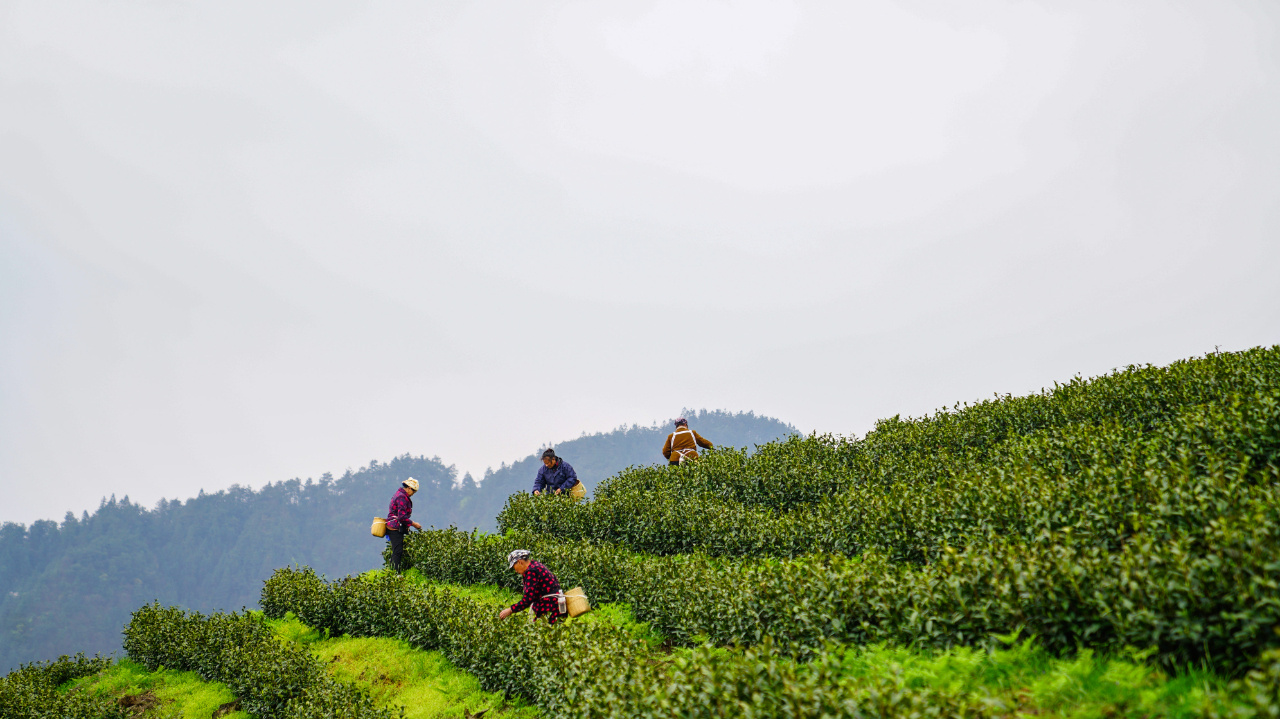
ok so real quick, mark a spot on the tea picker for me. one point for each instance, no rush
(542, 591)
(556, 476)
(683, 444)
(398, 522)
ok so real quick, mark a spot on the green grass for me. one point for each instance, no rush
(183, 695)
(425, 683)
(396, 674)
(1026, 678)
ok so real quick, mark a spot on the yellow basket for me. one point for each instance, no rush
(576, 602)
(379, 528)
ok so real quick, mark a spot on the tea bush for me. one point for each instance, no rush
(271, 678)
(1141, 508)
(31, 691)
(580, 669)
(1208, 596)
(1153, 450)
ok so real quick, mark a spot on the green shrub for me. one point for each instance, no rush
(581, 669)
(1209, 596)
(1161, 451)
(271, 678)
(31, 691)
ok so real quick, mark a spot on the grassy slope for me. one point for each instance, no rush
(425, 683)
(1029, 678)
(183, 695)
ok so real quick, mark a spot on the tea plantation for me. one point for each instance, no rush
(1122, 532)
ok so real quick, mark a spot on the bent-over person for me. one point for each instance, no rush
(683, 444)
(556, 476)
(541, 588)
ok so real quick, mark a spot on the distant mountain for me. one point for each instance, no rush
(71, 586)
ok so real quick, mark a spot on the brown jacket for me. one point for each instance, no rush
(683, 441)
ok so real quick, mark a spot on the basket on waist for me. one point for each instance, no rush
(379, 528)
(576, 603)
(573, 602)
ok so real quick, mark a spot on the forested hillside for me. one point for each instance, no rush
(69, 587)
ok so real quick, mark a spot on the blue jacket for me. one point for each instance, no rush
(560, 476)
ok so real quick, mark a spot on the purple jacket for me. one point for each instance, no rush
(560, 476)
(400, 510)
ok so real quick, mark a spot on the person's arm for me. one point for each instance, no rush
(666, 448)
(570, 476)
(540, 482)
(701, 442)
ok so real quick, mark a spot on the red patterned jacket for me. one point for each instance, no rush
(400, 511)
(539, 582)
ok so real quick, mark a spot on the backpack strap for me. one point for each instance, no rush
(683, 452)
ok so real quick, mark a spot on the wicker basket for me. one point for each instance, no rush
(576, 601)
(379, 528)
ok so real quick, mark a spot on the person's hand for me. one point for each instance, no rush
(557, 491)
(416, 525)
(504, 613)
(536, 492)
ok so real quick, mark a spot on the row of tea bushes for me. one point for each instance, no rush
(791, 473)
(1210, 597)
(271, 678)
(1106, 481)
(31, 691)
(595, 670)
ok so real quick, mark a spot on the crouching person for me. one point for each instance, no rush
(541, 588)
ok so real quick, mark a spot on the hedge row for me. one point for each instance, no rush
(31, 691)
(1212, 596)
(1106, 481)
(596, 670)
(272, 679)
(792, 473)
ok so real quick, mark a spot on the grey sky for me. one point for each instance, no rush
(246, 241)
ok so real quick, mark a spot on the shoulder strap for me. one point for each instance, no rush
(682, 452)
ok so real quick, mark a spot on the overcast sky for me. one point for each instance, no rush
(247, 241)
